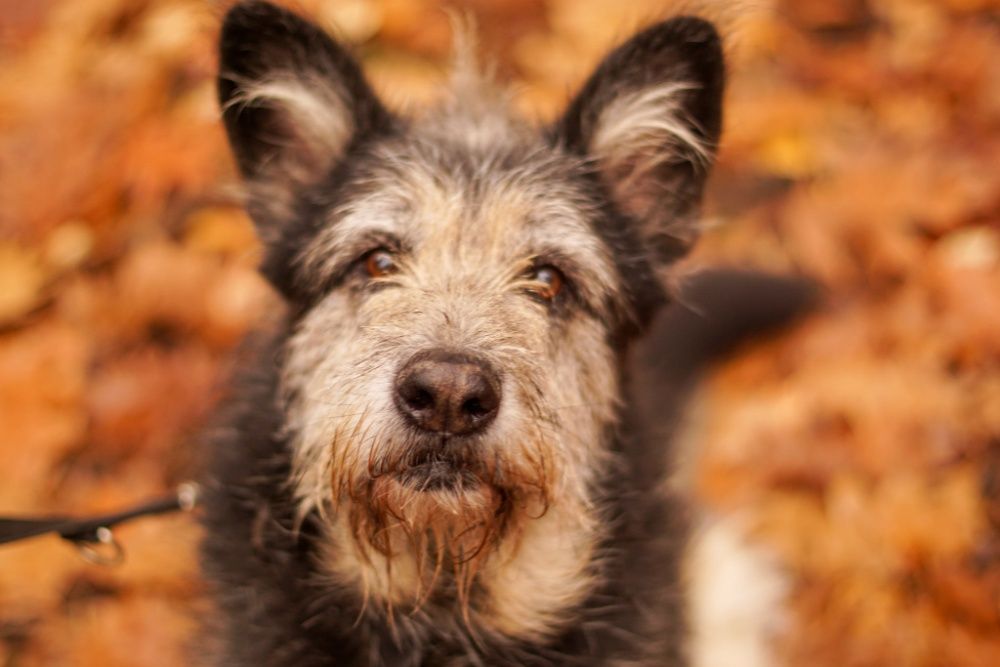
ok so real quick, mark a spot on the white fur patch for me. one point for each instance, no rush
(736, 598)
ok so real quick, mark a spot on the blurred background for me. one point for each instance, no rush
(861, 447)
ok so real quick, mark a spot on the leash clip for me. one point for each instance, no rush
(92, 536)
(101, 548)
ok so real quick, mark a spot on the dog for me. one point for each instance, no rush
(438, 458)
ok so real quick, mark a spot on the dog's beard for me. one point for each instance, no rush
(447, 509)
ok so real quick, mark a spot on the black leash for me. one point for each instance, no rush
(93, 536)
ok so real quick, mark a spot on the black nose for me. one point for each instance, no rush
(447, 393)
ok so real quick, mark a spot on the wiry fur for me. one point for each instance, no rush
(650, 126)
(553, 542)
(314, 110)
(642, 132)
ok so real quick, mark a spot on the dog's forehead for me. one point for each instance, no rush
(487, 189)
(516, 190)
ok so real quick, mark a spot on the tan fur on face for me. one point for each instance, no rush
(516, 547)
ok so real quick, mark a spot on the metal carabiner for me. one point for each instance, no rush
(103, 550)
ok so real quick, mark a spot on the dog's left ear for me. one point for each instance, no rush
(649, 119)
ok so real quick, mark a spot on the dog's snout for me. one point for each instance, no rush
(448, 393)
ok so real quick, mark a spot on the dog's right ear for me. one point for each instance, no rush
(293, 100)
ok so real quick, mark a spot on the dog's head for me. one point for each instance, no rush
(462, 283)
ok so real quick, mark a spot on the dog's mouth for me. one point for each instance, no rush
(430, 472)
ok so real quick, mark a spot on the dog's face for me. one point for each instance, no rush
(462, 285)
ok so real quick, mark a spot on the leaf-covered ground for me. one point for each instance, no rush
(863, 446)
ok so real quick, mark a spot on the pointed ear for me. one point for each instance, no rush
(649, 120)
(293, 100)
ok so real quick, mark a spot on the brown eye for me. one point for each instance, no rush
(550, 282)
(380, 263)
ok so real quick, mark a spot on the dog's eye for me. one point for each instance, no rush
(380, 263)
(549, 282)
